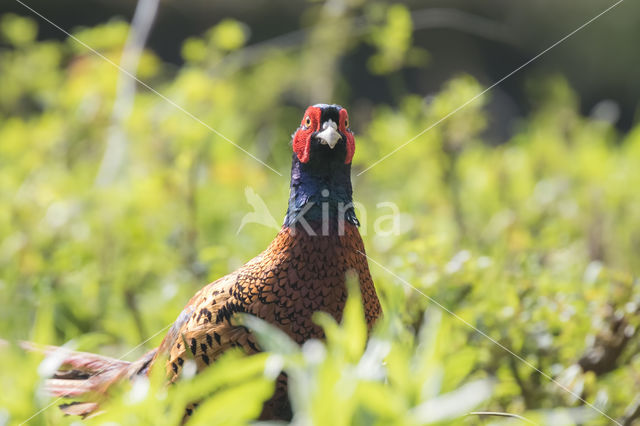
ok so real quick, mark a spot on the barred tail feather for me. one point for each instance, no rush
(82, 409)
(83, 374)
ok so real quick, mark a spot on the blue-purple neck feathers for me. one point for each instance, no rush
(320, 193)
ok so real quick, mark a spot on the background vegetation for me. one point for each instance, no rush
(532, 239)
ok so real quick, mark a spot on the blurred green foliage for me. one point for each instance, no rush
(393, 41)
(533, 241)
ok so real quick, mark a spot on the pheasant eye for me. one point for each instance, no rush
(346, 123)
(307, 121)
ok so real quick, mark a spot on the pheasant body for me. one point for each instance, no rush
(301, 272)
(294, 277)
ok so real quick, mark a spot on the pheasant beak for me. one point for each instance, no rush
(329, 134)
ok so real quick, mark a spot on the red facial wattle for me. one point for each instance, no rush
(302, 138)
(344, 129)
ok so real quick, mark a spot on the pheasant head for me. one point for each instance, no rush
(324, 133)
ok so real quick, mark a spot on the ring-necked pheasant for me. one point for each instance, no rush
(302, 271)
